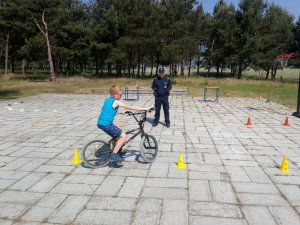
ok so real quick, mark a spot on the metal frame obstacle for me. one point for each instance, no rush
(135, 92)
(206, 93)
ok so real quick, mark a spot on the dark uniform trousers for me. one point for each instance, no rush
(162, 100)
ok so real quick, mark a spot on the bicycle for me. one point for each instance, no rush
(96, 153)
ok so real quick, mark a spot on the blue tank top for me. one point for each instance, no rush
(108, 113)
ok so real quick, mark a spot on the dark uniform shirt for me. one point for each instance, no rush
(161, 86)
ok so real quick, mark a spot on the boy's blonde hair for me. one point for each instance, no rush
(114, 89)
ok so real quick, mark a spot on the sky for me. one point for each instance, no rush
(292, 6)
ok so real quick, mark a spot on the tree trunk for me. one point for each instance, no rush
(175, 69)
(181, 68)
(109, 70)
(139, 68)
(59, 67)
(12, 60)
(133, 71)
(172, 69)
(152, 64)
(157, 62)
(231, 70)
(81, 67)
(45, 33)
(6, 53)
(119, 71)
(68, 68)
(190, 65)
(211, 60)
(1, 52)
(101, 64)
(56, 64)
(275, 71)
(97, 65)
(129, 70)
(24, 63)
(272, 72)
(144, 69)
(139, 64)
(198, 65)
(52, 73)
(239, 72)
(267, 74)
(208, 71)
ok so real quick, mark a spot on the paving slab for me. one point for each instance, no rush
(232, 174)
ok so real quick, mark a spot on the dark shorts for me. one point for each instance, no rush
(111, 130)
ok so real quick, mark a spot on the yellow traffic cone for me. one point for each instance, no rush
(76, 160)
(285, 165)
(180, 164)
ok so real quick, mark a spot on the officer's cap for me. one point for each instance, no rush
(161, 70)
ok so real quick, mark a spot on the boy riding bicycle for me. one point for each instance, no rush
(107, 115)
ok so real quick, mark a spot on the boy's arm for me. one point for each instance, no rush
(131, 107)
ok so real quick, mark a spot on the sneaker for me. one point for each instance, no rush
(122, 153)
(154, 124)
(115, 157)
(168, 125)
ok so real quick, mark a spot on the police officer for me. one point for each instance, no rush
(161, 87)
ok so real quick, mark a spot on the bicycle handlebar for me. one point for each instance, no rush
(151, 110)
(129, 113)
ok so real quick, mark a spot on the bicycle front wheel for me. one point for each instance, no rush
(96, 154)
(148, 148)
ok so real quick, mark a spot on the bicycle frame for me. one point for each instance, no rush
(139, 130)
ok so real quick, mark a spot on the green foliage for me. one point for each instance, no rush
(128, 35)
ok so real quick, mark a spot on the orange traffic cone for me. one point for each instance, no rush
(286, 122)
(249, 123)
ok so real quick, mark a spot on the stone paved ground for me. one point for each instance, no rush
(231, 176)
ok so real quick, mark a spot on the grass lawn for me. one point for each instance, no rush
(282, 92)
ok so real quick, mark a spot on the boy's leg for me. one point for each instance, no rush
(119, 143)
(113, 144)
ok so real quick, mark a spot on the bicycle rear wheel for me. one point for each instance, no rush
(96, 153)
(148, 148)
